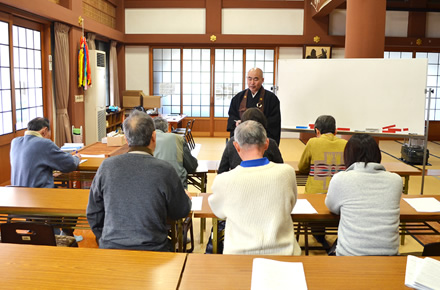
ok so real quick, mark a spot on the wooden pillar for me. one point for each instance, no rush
(365, 29)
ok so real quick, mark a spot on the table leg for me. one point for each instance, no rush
(405, 191)
(180, 236)
(214, 235)
(202, 229)
(402, 236)
(406, 184)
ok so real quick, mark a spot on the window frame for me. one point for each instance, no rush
(212, 72)
(44, 28)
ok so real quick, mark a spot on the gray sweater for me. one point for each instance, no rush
(131, 198)
(33, 160)
(368, 201)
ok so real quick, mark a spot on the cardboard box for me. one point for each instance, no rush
(150, 102)
(117, 140)
(132, 98)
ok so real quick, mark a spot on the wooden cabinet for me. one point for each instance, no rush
(114, 120)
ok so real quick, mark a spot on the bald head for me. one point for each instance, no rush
(255, 79)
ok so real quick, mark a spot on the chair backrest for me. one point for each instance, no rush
(432, 249)
(192, 123)
(27, 233)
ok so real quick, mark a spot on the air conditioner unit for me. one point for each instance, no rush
(94, 99)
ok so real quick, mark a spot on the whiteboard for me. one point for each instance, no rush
(359, 93)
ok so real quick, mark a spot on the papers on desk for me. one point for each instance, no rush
(422, 273)
(82, 161)
(92, 155)
(196, 203)
(303, 206)
(195, 152)
(72, 147)
(424, 204)
(271, 274)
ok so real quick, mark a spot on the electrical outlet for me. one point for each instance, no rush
(79, 98)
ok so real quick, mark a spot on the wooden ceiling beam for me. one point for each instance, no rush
(327, 9)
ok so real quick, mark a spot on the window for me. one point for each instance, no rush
(433, 82)
(228, 78)
(27, 77)
(5, 84)
(167, 79)
(433, 78)
(226, 73)
(196, 82)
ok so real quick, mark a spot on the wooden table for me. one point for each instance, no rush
(60, 207)
(398, 167)
(410, 219)
(174, 121)
(44, 267)
(198, 179)
(321, 272)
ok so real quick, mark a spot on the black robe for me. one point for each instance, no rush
(271, 111)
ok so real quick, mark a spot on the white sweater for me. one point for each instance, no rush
(257, 203)
(368, 200)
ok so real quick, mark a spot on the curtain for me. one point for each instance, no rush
(91, 40)
(114, 85)
(61, 69)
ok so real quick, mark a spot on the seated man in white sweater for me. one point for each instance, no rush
(256, 199)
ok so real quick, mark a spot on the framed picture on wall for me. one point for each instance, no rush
(317, 51)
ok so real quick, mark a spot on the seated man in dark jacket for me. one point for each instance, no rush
(230, 158)
(133, 194)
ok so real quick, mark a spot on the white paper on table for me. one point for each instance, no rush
(422, 273)
(303, 206)
(271, 274)
(93, 155)
(195, 152)
(428, 277)
(424, 204)
(196, 203)
(82, 161)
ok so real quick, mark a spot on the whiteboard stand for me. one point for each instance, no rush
(429, 91)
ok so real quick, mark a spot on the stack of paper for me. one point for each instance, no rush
(196, 203)
(71, 147)
(271, 274)
(422, 273)
(424, 204)
(303, 206)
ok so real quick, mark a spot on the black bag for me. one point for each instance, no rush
(221, 237)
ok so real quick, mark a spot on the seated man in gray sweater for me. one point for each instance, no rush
(174, 149)
(133, 194)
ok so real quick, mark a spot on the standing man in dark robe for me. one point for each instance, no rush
(256, 96)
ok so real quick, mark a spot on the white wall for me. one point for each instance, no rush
(337, 21)
(433, 25)
(137, 68)
(165, 21)
(263, 21)
(396, 24)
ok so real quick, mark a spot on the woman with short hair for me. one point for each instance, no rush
(367, 198)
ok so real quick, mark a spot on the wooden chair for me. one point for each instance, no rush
(189, 136)
(31, 233)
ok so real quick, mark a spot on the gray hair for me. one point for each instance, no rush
(161, 124)
(250, 133)
(138, 129)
